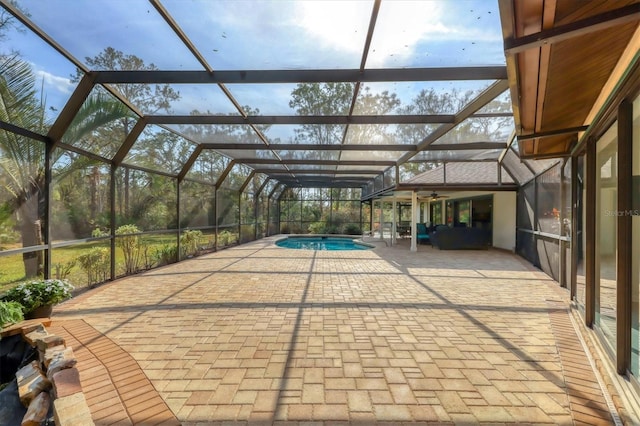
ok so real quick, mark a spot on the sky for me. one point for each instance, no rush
(247, 34)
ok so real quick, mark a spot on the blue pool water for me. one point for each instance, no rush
(321, 243)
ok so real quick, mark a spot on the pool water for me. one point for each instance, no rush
(321, 243)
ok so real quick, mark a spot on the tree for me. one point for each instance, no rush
(7, 21)
(320, 99)
(211, 164)
(335, 99)
(22, 160)
(369, 103)
(149, 99)
(160, 150)
(429, 102)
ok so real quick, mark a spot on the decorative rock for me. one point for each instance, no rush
(28, 326)
(24, 327)
(51, 353)
(37, 411)
(31, 382)
(39, 332)
(72, 411)
(69, 404)
(66, 382)
(60, 361)
(49, 342)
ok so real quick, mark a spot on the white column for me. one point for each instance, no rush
(414, 221)
(427, 212)
(381, 221)
(372, 216)
(393, 223)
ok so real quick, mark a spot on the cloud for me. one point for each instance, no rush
(56, 90)
(60, 84)
(404, 29)
(341, 26)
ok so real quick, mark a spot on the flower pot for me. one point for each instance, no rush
(43, 311)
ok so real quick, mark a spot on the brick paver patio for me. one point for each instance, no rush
(257, 334)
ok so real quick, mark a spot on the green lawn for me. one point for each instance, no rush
(12, 267)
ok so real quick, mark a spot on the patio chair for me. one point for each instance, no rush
(422, 233)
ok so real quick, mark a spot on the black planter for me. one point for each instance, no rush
(43, 311)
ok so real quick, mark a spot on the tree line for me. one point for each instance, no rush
(81, 197)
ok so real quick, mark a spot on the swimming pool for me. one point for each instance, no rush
(322, 243)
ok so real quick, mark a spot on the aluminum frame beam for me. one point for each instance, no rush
(314, 162)
(302, 119)
(307, 147)
(481, 100)
(303, 172)
(301, 76)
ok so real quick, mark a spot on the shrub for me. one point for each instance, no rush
(247, 233)
(332, 229)
(224, 238)
(317, 228)
(233, 238)
(96, 264)
(62, 270)
(97, 233)
(352, 229)
(10, 313)
(8, 234)
(189, 242)
(147, 258)
(167, 254)
(36, 293)
(130, 245)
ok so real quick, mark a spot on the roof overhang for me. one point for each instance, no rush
(563, 57)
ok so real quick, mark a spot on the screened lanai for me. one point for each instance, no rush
(140, 133)
(142, 116)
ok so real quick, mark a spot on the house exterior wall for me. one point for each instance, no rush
(504, 220)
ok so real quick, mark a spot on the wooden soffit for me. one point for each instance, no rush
(560, 55)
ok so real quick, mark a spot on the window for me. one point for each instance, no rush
(635, 266)
(580, 243)
(436, 213)
(606, 233)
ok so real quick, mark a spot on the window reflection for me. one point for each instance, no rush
(436, 213)
(635, 255)
(606, 233)
(580, 243)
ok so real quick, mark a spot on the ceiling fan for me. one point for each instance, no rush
(434, 196)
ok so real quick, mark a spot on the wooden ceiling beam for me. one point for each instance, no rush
(588, 25)
(551, 133)
(548, 17)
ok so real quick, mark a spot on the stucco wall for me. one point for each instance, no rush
(504, 220)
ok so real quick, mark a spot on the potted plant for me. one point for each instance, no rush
(37, 297)
(10, 313)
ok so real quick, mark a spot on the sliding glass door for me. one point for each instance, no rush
(606, 234)
(580, 244)
(635, 255)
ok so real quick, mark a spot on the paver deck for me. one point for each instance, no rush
(257, 334)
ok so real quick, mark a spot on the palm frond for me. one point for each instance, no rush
(99, 110)
(19, 104)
